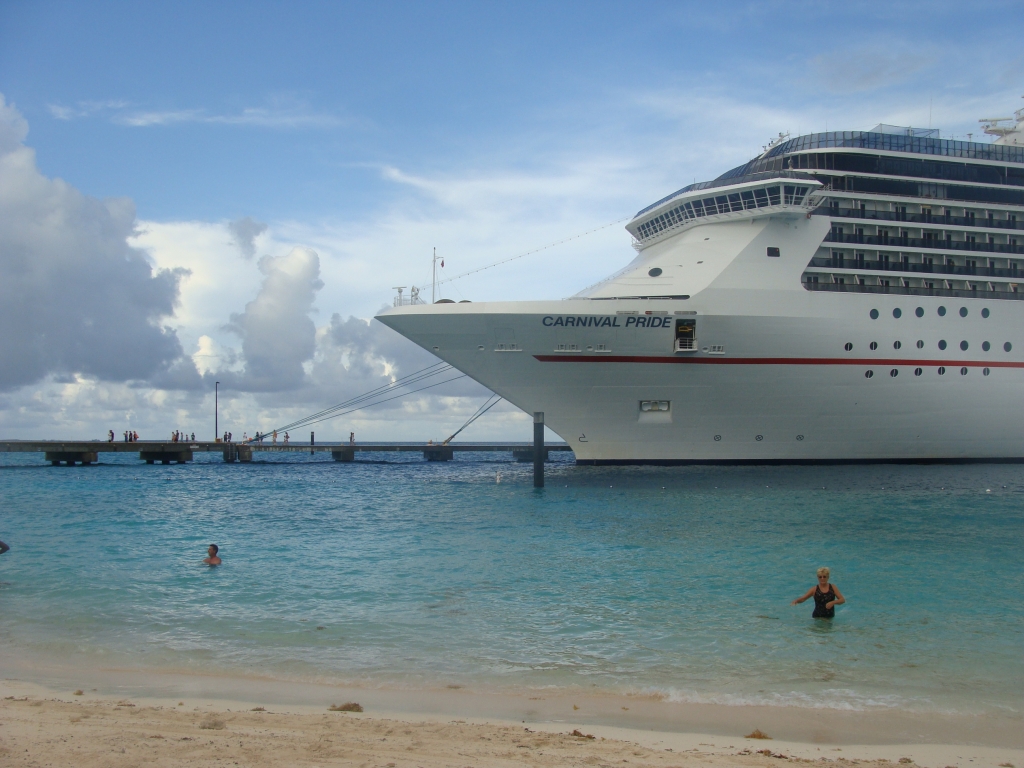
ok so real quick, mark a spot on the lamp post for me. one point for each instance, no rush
(216, 403)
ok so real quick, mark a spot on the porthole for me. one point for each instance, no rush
(654, 272)
(918, 371)
(897, 313)
(942, 311)
(985, 371)
(799, 437)
(1007, 347)
(963, 311)
(894, 372)
(717, 438)
(985, 312)
(868, 374)
(963, 345)
(874, 314)
(986, 346)
(942, 371)
(942, 344)
(919, 311)
(920, 344)
(759, 438)
(896, 345)
(848, 346)
(873, 345)
(963, 371)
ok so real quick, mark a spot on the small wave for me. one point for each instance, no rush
(837, 698)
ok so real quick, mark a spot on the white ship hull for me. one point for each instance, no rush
(784, 391)
(780, 370)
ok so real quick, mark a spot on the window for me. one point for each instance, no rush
(942, 371)
(873, 345)
(963, 311)
(942, 311)
(986, 346)
(919, 311)
(848, 346)
(774, 252)
(868, 374)
(897, 313)
(985, 312)
(942, 344)
(655, 405)
(963, 346)
(920, 344)
(1007, 347)
(874, 314)
(896, 345)
(918, 371)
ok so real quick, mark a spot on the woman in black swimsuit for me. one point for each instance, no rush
(826, 597)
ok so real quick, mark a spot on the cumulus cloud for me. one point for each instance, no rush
(75, 298)
(277, 334)
(245, 231)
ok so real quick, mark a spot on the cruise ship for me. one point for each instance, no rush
(849, 296)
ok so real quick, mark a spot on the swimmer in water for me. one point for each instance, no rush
(212, 552)
(826, 597)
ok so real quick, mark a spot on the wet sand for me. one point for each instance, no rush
(89, 728)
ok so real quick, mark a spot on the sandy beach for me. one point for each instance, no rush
(41, 726)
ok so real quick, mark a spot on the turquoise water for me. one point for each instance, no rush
(665, 580)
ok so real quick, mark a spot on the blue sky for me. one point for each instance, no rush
(370, 133)
(334, 90)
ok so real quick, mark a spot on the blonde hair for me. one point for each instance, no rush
(823, 571)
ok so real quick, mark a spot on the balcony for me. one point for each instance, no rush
(920, 218)
(884, 241)
(900, 290)
(832, 262)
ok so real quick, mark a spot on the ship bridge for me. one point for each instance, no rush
(910, 212)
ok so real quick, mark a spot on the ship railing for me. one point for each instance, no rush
(686, 344)
(905, 290)
(401, 300)
(921, 218)
(936, 244)
(827, 262)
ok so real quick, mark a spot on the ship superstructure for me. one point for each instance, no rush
(844, 296)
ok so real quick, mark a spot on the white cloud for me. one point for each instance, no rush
(75, 298)
(277, 335)
(284, 114)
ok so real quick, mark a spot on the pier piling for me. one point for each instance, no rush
(538, 449)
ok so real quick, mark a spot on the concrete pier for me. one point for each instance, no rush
(166, 457)
(84, 452)
(70, 458)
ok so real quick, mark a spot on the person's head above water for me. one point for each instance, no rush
(212, 551)
(824, 573)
